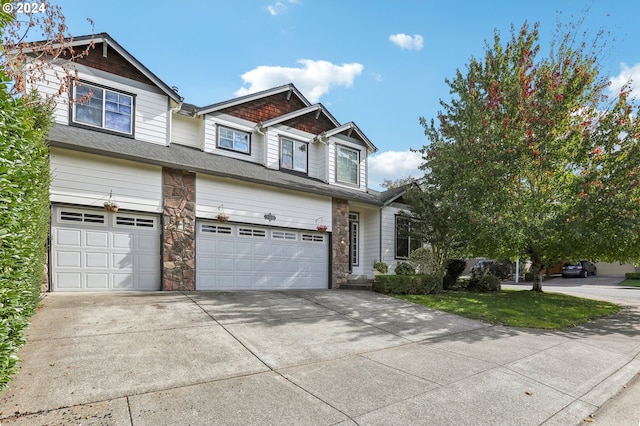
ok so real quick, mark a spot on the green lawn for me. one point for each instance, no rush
(632, 283)
(518, 308)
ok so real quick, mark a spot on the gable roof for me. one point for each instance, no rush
(348, 128)
(317, 108)
(252, 97)
(107, 40)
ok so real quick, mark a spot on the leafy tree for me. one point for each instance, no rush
(541, 163)
(391, 184)
(433, 214)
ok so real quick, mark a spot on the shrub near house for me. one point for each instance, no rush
(24, 214)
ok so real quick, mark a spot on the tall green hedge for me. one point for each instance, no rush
(24, 218)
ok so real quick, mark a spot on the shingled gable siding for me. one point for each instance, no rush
(264, 109)
(340, 242)
(113, 63)
(178, 263)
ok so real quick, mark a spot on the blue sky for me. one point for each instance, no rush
(379, 63)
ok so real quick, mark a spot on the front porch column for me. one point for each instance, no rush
(340, 242)
(178, 233)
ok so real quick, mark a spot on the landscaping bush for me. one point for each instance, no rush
(632, 275)
(405, 268)
(381, 267)
(485, 283)
(455, 268)
(406, 284)
(24, 219)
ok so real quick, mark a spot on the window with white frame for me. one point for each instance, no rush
(234, 140)
(354, 230)
(293, 155)
(348, 165)
(103, 108)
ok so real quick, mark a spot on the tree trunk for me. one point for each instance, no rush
(536, 268)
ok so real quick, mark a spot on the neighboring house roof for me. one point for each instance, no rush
(252, 97)
(193, 159)
(395, 194)
(108, 41)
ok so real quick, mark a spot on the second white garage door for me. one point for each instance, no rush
(245, 257)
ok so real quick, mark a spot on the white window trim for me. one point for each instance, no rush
(293, 160)
(337, 159)
(96, 87)
(233, 148)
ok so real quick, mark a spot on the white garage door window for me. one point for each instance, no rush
(245, 257)
(93, 250)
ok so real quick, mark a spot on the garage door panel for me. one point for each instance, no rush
(225, 265)
(97, 281)
(68, 237)
(146, 262)
(146, 242)
(224, 247)
(69, 280)
(97, 239)
(242, 265)
(262, 258)
(147, 281)
(122, 281)
(97, 260)
(68, 259)
(95, 250)
(121, 240)
(121, 261)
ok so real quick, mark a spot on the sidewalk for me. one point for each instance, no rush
(307, 357)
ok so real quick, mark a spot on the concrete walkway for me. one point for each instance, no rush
(306, 357)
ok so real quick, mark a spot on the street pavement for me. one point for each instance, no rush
(624, 407)
(309, 357)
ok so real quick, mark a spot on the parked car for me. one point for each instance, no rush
(582, 268)
(501, 269)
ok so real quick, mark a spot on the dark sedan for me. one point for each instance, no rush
(583, 269)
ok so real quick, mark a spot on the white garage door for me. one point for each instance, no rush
(94, 250)
(245, 257)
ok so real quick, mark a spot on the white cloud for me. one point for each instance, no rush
(626, 75)
(405, 41)
(279, 7)
(313, 79)
(393, 165)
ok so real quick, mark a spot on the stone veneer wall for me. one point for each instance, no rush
(178, 246)
(340, 242)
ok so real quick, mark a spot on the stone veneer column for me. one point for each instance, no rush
(340, 242)
(178, 249)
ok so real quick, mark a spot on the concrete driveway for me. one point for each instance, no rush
(305, 357)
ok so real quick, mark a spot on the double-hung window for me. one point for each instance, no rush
(103, 108)
(293, 155)
(348, 165)
(234, 140)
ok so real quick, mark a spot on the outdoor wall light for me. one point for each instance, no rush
(179, 223)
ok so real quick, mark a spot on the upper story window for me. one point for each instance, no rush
(293, 155)
(103, 108)
(348, 165)
(234, 140)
